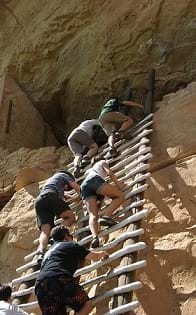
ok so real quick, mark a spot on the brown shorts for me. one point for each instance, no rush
(55, 293)
(110, 120)
(78, 140)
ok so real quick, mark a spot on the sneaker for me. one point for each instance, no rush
(76, 172)
(95, 242)
(86, 160)
(40, 257)
(117, 136)
(107, 221)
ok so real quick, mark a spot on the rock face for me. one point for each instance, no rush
(17, 230)
(24, 167)
(21, 123)
(169, 279)
(77, 54)
(174, 128)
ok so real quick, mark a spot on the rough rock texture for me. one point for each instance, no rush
(17, 230)
(25, 166)
(171, 271)
(22, 168)
(21, 123)
(76, 54)
(174, 128)
(169, 279)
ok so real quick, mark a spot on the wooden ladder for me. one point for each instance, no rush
(130, 166)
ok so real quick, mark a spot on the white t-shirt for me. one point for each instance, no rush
(10, 309)
(87, 126)
(98, 169)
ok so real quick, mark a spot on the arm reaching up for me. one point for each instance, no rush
(76, 187)
(112, 176)
(95, 255)
(131, 103)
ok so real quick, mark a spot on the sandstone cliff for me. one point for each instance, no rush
(21, 123)
(70, 56)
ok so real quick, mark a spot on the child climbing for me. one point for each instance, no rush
(111, 116)
(51, 203)
(79, 139)
(92, 187)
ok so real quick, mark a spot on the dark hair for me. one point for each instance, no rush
(96, 159)
(59, 232)
(70, 175)
(5, 292)
(67, 173)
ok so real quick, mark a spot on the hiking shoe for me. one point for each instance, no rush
(76, 172)
(40, 257)
(95, 242)
(107, 221)
(86, 160)
(117, 136)
(51, 241)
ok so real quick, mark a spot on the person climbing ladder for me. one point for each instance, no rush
(55, 286)
(51, 202)
(79, 139)
(111, 116)
(92, 187)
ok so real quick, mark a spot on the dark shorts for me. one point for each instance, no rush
(79, 139)
(90, 187)
(55, 293)
(48, 206)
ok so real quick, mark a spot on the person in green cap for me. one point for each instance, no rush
(111, 116)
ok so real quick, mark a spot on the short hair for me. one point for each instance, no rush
(59, 232)
(66, 172)
(96, 159)
(5, 292)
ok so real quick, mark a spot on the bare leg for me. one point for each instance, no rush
(111, 140)
(86, 309)
(116, 196)
(44, 236)
(68, 217)
(126, 125)
(92, 150)
(77, 159)
(91, 205)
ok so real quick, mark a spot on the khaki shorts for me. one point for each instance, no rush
(110, 120)
(78, 140)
